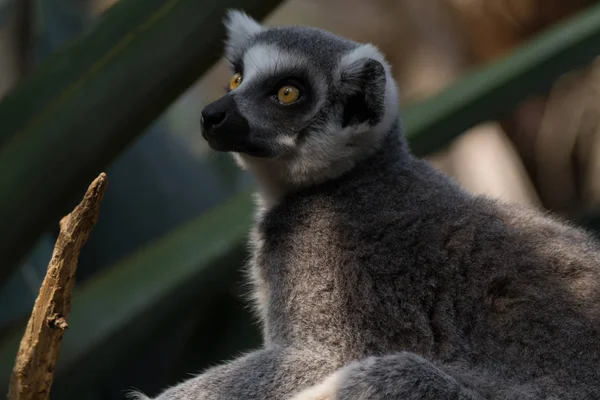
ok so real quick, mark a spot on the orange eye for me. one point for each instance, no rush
(288, 94)
(235, 81)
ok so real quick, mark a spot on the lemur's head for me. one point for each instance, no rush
(301, 100)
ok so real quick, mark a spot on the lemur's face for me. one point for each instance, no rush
(295, 87)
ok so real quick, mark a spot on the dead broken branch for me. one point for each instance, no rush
(36, 359)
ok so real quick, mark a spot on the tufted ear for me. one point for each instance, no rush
(240, 28)
(366, 86)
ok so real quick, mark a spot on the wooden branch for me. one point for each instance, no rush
(34, 367)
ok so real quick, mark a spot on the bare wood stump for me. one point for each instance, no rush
(36, 359)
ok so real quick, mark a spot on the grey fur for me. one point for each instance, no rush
(386, 280)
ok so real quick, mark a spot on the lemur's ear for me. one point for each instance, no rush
(363, 83)
(240, 28)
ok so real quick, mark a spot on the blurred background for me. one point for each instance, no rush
(503, 95)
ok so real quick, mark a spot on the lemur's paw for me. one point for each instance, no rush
(136, 395)
(325, 390)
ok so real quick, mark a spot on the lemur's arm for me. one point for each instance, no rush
(266, 374)
(408, 376)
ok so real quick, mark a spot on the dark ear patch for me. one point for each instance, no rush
(364, 81)
(356, 111)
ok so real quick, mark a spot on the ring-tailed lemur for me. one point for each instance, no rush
(375, 276)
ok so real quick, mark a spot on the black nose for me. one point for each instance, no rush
(211, 118)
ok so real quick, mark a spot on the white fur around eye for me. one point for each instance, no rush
(263, 61)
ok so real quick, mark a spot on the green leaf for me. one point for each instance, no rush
(491, 91)
(86, 103)
(5, 10)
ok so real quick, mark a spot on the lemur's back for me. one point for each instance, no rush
(396, 257)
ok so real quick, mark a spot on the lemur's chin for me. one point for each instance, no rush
(241, 147)
(232, 141)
